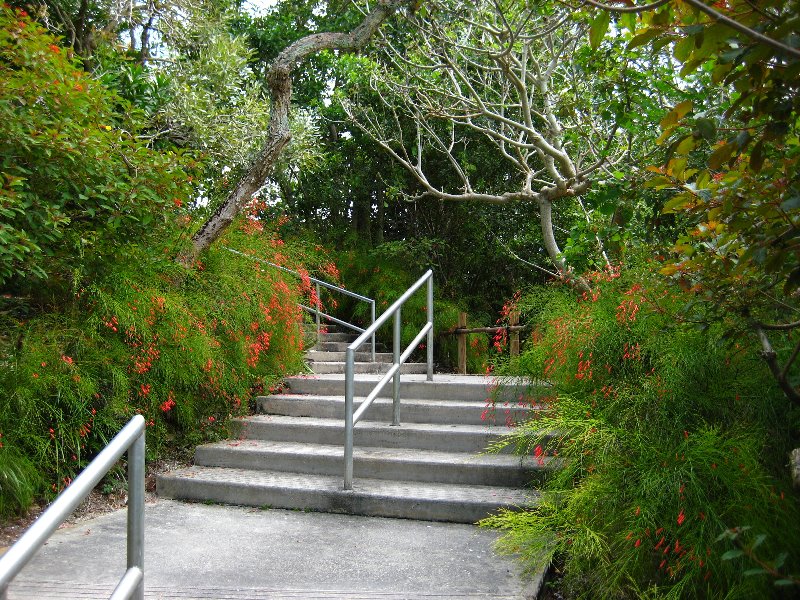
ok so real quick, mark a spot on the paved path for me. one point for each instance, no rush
(201, 551)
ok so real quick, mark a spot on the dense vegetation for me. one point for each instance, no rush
(624, 174)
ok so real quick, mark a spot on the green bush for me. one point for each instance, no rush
(186, 348)
(671, 445)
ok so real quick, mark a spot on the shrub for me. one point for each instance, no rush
(185, 348)
(671, 446)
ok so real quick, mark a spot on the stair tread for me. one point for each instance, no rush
(364, 424)
(432, 457)
(366, 487)
(403, 401)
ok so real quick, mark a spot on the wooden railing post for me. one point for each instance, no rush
(462, 344)
(513, 320)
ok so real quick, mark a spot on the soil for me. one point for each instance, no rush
(96, 504)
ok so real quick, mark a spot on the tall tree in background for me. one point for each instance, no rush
(502, 75)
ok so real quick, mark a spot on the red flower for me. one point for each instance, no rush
(681, 518)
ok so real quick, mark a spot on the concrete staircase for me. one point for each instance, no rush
(429, 468)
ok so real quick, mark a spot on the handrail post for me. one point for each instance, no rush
(430, 332)
(318, 307)
(372, 322)
(396, 360)
(136, 511)
(462, 343)
(348, 418)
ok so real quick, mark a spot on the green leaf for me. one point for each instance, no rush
(784, 582)
(757, 157)
(683, 49)
(721, 155)
(731, 554)
(791, 204)
(707, 128)
(643, 38)
(598, 28)
(751, 572)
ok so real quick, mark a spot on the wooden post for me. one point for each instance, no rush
(462, 344)
(513, 319)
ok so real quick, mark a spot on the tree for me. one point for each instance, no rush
(501, 76)
(732, 165)
(280, 86)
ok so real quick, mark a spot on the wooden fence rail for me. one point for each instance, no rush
(462, 332)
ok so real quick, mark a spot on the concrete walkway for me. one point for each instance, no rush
(223, 552)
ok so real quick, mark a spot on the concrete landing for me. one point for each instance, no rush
(225, 552)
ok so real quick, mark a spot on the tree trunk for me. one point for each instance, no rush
(280, 86)
(380, 199)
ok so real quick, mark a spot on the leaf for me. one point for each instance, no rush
(784, 582)
(757, 157)
(686, 145)
(791, 203)
(707, 128)
(643, 38)
(780, 560)
(703, 179)
(731, 554)
(720, 156)
(675, 204)
(751, 572)
(683, 108)
(683, 49)
(598, 28)
(758, 541)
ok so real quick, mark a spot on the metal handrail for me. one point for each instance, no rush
(351, 418)
(318, 310)
(131, 585)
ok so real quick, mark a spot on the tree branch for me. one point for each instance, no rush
(280, 86)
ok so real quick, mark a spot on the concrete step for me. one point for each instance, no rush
(412, 410)
(443, 387)
(374, 463)
(373, 497)
(348, 338)
(423, 436)
(363, 355)
(323, 368)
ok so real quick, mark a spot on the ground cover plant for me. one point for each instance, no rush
(672, 447)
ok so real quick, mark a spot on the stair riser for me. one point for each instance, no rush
(334, 346)
(325, 500)
(395, 437)
(316, 355)
(371, 467)
(426, 390)
(348, 338)
(324, 368)
(381, 410)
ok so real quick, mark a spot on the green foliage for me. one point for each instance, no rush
(731, 159)
(75, 182)
(185, 355)
(385, 273)
(665, 438)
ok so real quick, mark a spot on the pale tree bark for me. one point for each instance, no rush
(280, 86)
(502, 71)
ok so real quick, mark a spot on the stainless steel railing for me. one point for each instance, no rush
(317, 311)
(351, 418)
(131, 585)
